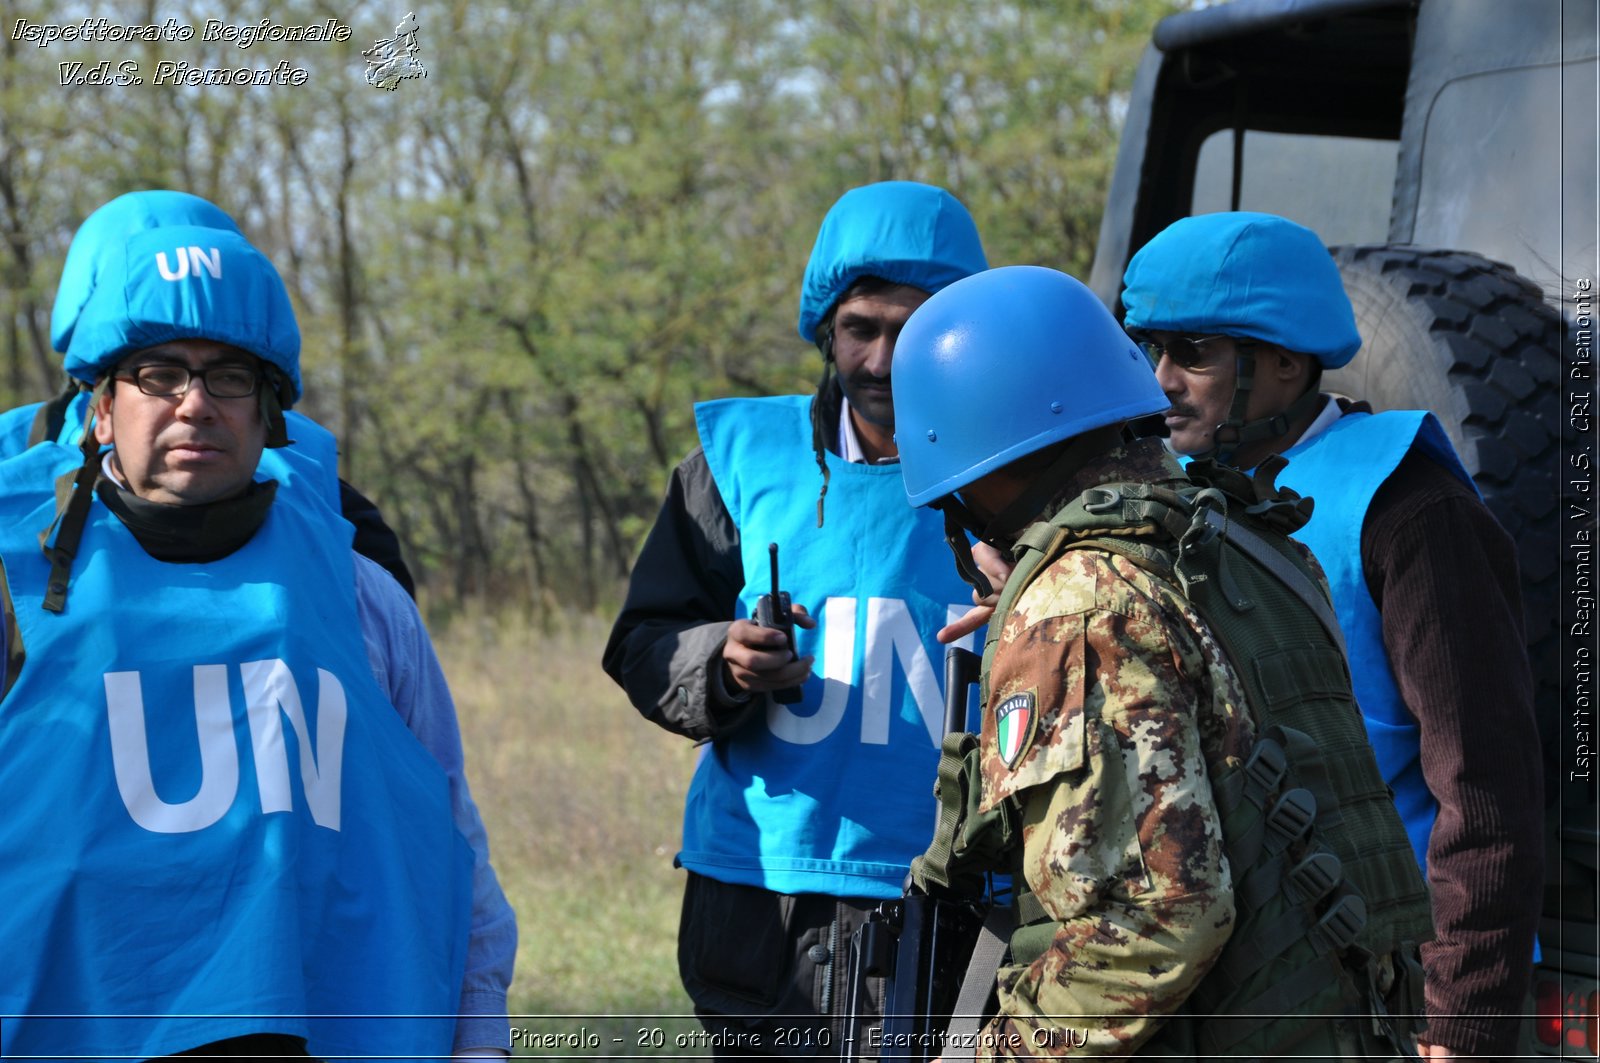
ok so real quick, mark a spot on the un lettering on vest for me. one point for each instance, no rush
(190, 261)
(891, 635)
(270, 694)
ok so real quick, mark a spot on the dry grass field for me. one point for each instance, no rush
(582, 798)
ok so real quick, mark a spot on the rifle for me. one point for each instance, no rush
(918, 944)
(774, 610)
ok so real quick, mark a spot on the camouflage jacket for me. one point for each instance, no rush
(1108, 702)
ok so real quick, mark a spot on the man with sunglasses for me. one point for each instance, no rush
(237, 821)
(1240, 313)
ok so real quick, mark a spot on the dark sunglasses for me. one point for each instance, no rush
(1185, 351)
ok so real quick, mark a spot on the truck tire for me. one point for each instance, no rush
(1474, 342)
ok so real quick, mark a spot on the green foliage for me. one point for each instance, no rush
(516, 275)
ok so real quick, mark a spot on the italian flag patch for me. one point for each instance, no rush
(1015, 723)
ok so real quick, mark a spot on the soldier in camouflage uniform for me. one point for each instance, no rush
(1111, 703)
(1113, 706)
(1111, 711)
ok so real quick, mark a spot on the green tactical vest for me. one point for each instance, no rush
(1330, 904)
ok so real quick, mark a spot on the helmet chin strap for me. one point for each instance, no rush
(1236, 432)
(273, 397)
(958, 521)
(1003, 529)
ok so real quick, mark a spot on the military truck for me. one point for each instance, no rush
(1446, 149)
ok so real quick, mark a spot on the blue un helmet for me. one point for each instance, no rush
(1003, 364)
(1248, 275)
(105, 232)
(902, 231)
(186, 282)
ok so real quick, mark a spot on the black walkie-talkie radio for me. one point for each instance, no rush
(773, 610)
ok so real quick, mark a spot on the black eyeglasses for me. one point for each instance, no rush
(167, 381)
(1185, 351)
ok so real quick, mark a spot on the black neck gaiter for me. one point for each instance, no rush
(206, 532)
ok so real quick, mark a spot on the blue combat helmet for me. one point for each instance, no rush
(902, 231)
(106, 231)
(1003, 364)
(186, 282)
(1240, 273)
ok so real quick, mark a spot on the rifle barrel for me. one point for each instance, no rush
(961, 670)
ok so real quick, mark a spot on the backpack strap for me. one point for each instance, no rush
(51, 418)
(978, 984)
(1210, 521)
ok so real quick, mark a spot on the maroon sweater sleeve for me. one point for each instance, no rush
(1443, 574)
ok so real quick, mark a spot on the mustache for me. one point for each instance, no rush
(1178, 410)
(862, 378)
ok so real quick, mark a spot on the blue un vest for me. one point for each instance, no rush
(212, 811)
(1342, 468)
(314, 453)
(15, 426)
(832, 795)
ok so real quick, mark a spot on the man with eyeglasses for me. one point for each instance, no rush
(1241, 312)
(62, 419)
(237, 821)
